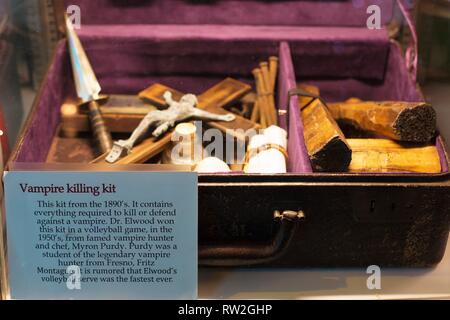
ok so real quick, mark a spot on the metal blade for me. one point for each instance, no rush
(86, 82)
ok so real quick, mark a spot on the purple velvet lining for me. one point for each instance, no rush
(193, 59)
(231, 12)
(37, 139)
(169, 49)
(59, 84)
(298, 156)
(397, 85)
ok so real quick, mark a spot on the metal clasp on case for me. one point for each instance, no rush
(289, 215)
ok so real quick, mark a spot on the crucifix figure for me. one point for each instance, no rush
(185, 109)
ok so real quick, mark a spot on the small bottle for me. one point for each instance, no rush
(268, 152)
(186, 148)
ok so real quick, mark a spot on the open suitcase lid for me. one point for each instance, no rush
(112, 17)
(353, 14)
(349, 13)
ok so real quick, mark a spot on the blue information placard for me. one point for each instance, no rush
(102, 235)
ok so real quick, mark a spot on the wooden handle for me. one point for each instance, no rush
(121, 113)
(247, 255)
(101, 133)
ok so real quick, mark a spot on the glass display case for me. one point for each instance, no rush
(313, 142)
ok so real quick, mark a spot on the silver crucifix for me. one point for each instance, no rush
(185, 109)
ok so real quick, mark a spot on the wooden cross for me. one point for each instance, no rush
(213, 100)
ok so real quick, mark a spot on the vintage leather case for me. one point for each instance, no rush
(300, 219)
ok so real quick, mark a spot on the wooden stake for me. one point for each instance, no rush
(382, 155)
(256, 111)
(269, 93)
(261, 101)
(326, 144)
(401, 121)
(264, 67)
(273, 69)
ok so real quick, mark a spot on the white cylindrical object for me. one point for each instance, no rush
(186, 147)
(276, 135)
(212, 165)
(271, 161)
